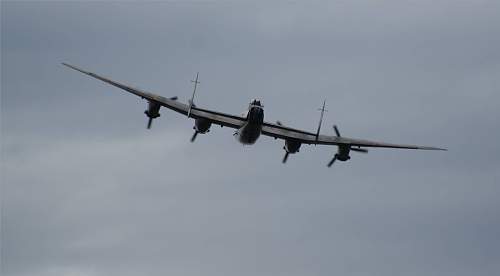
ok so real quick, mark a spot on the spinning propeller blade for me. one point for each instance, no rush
(358, 149)
(336, 130)
(332, 161)
(150, 121)
(285, 157)
(194, 136)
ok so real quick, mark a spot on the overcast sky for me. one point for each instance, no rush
(87, 190)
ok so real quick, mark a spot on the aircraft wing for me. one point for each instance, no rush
(215, 117)
(234, 121)
(305, 137)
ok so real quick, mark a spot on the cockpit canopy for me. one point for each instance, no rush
(256, 102)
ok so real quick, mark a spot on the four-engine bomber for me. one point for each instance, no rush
(251, 126)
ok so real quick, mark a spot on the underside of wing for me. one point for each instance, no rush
(215, 117)
(305, 137)
(334, 140)
(288, 133)
(218, 118)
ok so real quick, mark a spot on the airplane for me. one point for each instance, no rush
(251, 125)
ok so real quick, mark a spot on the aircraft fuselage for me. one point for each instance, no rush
(250, 131)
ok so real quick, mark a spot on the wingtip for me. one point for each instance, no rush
(68, 65)
(75, 68)
(433, 148)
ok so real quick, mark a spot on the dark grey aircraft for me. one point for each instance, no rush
(251, 125)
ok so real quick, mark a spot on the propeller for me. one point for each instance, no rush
(336, 130)
(286, 152)
(194, 136)
(332, 161)
(358, 149)
(150, 122)
(285, 157)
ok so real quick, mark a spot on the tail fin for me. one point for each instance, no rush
(322, 109)
(191, 102)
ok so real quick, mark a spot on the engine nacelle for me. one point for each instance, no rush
(343, 153)
(153, 110)
(292, 146)
(202, 125)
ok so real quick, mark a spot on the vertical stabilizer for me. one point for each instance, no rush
(322, 109)
(191, 102)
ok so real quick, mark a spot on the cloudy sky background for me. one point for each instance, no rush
(87, 190)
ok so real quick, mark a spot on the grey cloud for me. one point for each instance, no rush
(86, 190)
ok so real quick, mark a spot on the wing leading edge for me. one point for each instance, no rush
(234, 121)
(282, 132)
(219, 118)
